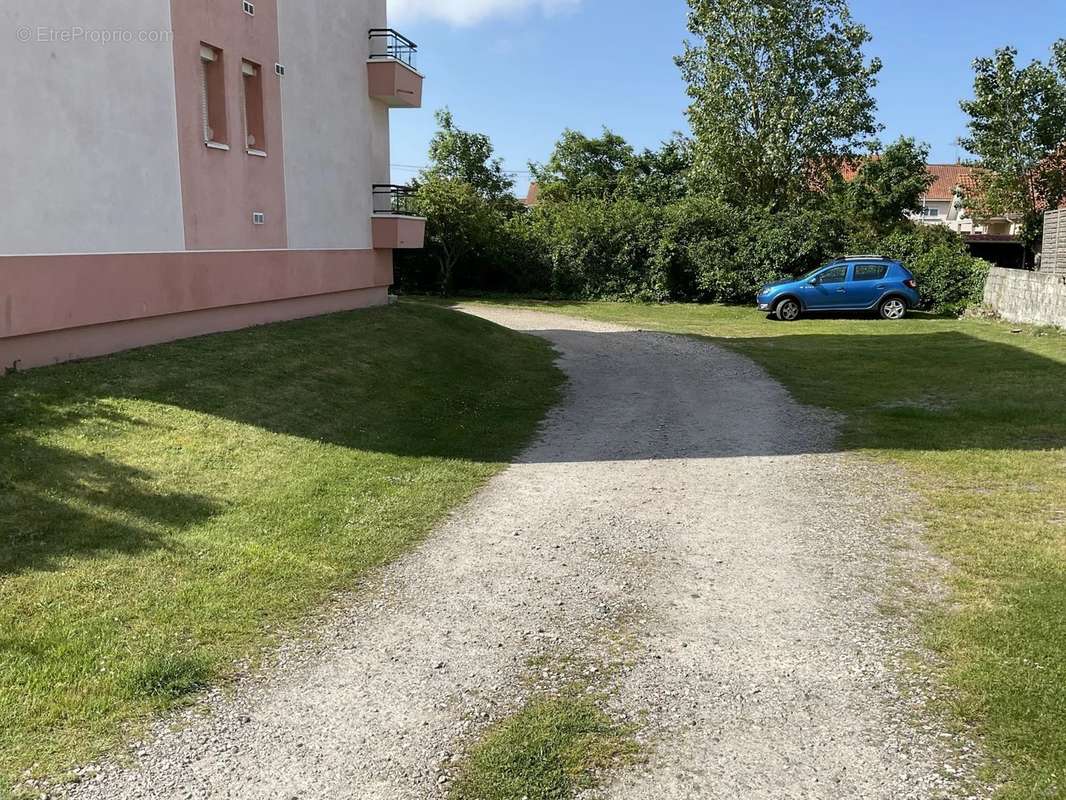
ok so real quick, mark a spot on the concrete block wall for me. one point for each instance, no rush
(1032, 298)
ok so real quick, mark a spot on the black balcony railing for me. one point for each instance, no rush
(391, 199)
(387, 43)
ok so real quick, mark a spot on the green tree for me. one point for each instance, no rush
(1017, 129)
(780, 93)
(887, 187)
(460, 224)
(459, 155)
(584, 168)
(607, 168)
(661, 176)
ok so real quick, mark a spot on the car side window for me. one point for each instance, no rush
(870, 272)
(834, 275)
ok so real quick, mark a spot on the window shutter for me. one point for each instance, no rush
(209, 134)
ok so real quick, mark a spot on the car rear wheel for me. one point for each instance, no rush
(893, 308)
(788, 310)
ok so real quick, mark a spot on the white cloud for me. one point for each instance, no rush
(470, 12)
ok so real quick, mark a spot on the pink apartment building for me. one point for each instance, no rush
(170, 168)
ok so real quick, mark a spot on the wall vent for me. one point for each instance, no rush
(280, 69)
(249, 8)
(259, 218)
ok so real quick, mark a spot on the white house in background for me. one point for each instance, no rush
(944, 205)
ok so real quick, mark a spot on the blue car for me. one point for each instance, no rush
(853, 283)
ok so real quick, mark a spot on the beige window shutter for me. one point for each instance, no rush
(208, 133)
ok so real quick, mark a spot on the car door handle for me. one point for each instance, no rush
(842, 291)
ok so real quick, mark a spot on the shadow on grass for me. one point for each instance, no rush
(65, 505)
(425, 382)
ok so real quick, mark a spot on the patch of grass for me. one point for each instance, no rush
(550, 750)
(169, 511)
(976, 413)
(169, 678)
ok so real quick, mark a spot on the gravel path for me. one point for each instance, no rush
(677, 493)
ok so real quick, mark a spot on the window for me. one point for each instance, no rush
(213, 97)
(929, 211)
(834, 275)
(870, 272)
(254, 123)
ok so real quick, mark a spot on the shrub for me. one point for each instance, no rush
(950, 279)
(697, 249)
(710, 252)
(599, 249)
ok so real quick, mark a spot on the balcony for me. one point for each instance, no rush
(395, 225)
(393, 78)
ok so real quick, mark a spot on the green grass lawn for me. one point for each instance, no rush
(166, 512)
(976, 413)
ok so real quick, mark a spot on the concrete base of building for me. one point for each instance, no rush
(53, 347)
(60, 308)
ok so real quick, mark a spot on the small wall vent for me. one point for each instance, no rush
(280, 70)
(249, 8)
(259, 218)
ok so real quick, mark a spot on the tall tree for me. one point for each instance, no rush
(458, 155)
(607, 168)
(582, 167)
(781, 95)
(888, 186)
(661, 176)
(459, 223)
(1017, 129)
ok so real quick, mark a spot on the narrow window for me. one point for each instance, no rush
(254, 124)
(213, 96)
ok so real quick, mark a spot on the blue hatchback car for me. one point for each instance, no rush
(853, 283)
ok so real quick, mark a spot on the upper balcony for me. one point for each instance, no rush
(394, 80)
(395, 225)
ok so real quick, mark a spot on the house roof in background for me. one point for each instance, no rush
(533, 195)
(947, 178)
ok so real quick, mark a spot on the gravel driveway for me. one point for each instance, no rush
(677, 494)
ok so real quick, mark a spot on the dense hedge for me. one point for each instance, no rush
(697, 249)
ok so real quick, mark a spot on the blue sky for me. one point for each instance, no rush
(523, 70)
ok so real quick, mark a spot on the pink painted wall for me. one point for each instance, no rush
(220, 189)
(56, 308)
(42, 349)
(48, 293)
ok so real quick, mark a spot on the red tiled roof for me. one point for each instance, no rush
(948, 177)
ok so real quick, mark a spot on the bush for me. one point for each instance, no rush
(697, 249)
(949, 278)
(708, 252)
(600, 249)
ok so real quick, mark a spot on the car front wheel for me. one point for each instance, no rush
(893, 308)
(788, 310)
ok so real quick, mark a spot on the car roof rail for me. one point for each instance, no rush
(871, 256)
